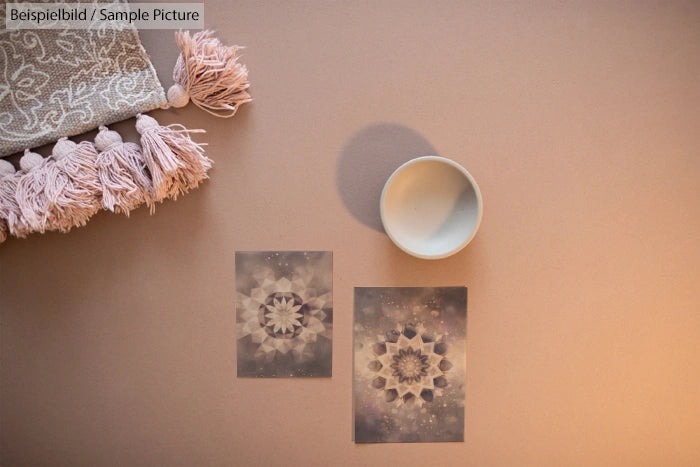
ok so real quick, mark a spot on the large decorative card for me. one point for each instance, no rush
(409, 373)
(284, 313)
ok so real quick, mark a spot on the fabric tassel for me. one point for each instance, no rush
(64, 191)
(81, 197)
(10, 210)
(8, 205)
(34, 190)
(176, 163)
(7, 170)
(122, 172)
(208, 73)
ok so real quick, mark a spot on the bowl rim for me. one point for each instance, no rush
(471, 181)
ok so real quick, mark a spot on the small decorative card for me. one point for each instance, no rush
(284, 313)
(409, 373)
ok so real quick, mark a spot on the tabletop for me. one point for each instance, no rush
(579, 122)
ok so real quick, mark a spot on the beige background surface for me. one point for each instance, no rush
(578, 119)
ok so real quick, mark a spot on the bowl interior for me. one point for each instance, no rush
(431, 207)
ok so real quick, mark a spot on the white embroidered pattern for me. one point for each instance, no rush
(57, 83)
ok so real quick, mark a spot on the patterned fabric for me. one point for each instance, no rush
(56, 83)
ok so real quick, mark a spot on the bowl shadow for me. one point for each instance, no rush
(368, 159)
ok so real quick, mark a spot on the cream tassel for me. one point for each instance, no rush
(176, 163)
(64, 191)
(208, 73)
(121, 168)
(8, 204)
(32, 192)
(79, 199)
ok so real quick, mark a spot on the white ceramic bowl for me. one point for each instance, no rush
(431, 207)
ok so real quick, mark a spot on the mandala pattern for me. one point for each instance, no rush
(409, 370)
(284, 313)
(281, 317)
(63, 82)
(409, 366)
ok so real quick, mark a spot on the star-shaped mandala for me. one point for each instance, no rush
(282, 316)
(409, 366)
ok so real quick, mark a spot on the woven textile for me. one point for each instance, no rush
(56, 83)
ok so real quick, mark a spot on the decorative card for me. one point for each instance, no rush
(284, 313)
(409, 367)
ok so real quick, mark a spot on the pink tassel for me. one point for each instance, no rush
(7, 198)
(78, 200)
(176, 163)
(208, 73)
(64, 191)
(33, 190)
(121, 168)
(10, 210)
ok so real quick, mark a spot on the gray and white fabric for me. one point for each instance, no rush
(56, 83)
